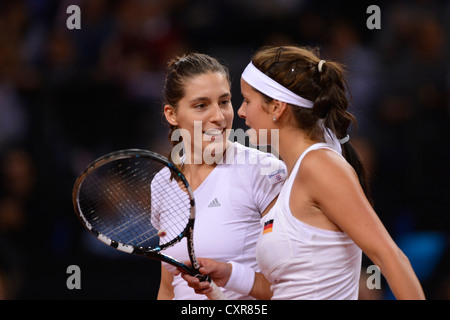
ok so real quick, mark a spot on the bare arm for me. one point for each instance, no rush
(261, 288)
(335, 189)
(165, 288)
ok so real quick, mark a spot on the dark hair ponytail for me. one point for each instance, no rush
(331, 104)
(352, 157)
(297, 69)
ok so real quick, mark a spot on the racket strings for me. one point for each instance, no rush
(125, 202)
(170, 208)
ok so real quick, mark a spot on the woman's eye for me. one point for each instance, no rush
(225, 102)
(200, 106)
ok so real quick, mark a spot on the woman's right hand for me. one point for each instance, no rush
(218, 271)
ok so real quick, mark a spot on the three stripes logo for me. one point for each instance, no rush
(214, 203)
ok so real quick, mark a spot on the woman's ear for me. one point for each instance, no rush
(278, 108)
(170, 114)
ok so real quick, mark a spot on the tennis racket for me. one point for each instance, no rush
(137, 201)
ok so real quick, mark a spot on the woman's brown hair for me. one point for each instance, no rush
(297, 69)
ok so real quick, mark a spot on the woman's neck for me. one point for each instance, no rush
(292, 143)
(197, 173)
(196, 168)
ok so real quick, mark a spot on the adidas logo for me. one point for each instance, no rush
(214, 203)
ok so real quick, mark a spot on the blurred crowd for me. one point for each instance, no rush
(69, 96)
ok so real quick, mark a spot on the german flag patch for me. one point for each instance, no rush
(268, 226)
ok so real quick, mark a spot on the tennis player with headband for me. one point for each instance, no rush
(311, 241)
(231, 193)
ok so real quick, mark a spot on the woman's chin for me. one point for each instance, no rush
(258, 138)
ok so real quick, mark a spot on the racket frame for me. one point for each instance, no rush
(155, 253)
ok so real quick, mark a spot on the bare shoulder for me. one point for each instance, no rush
(329, 180)
(325, 163)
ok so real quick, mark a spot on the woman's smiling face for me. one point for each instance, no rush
(205, 112)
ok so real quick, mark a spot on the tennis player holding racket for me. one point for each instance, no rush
(233, 185)
(311, 240)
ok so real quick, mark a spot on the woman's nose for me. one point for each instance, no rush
(217, 114)
(241, 112)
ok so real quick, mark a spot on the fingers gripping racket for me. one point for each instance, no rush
(138, 202)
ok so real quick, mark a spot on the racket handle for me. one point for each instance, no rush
(216, 293)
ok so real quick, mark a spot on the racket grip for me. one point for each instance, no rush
(216, 293)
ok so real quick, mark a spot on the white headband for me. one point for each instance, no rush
(271, 88)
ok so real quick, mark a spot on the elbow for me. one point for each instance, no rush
(388, 254)
(399, 255)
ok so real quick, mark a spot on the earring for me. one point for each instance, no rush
(274, 119)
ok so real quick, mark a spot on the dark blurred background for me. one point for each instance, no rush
(69, 96)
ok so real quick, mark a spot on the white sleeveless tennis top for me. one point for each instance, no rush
(302, 261)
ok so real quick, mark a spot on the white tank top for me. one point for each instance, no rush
(302, 261)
